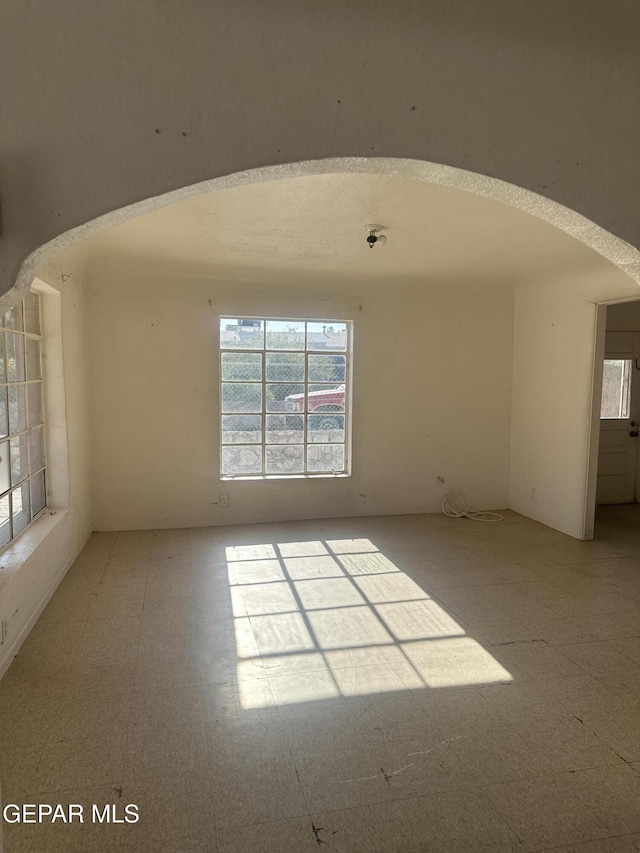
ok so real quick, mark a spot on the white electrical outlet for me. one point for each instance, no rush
(533, 494)
(224, 500)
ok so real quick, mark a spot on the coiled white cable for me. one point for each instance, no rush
(457, 504)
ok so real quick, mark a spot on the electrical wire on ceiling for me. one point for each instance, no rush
(457, 504)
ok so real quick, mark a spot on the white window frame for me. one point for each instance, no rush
(26, 382)
(624, 401)
(305, 473)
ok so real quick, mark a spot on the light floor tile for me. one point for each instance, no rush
(421, 766)
(557, 632)
(27, 713)
(621, 844)
(286, 836)
(619, 730)
(256, 792)
(85, 716)
(547, 812)
(94, 833)
(321, 726)
(448, 687)
(172, 809)
(613, 795)
(625, 684)
(165, 751)
(629, 646)
(247, 736)
(599, 656)
(341, 779)
(390, 827)
(76, 763)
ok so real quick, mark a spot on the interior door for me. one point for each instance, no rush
(619, 420)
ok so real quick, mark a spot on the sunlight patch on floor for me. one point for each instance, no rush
(339, 618)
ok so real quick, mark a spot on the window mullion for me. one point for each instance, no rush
(263, 413)
(305, 403)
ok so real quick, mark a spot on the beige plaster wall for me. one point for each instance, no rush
(624, 317)
(431, 379)
(553, 432)
(106, 104)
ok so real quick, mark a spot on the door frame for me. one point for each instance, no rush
(600, 331)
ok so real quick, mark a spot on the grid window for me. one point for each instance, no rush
(22, 462)
(284, 392)
(616, 388)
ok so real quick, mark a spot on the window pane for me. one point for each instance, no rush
(21, 506)
(285, 459)
(285, 367)
(32, 313)
(22, 450)
(326, 428)
(325, 457)
(5, 521)
(285, 429)
(34, 399)
(4, 414)
(33, 359)
(327, 368)
(36, 448)
(38, 496)
(15, 358)
(13, 318)
(17, 408)
(241, 397)
(241, 367)
(5, 467)
(281, 397)
(19, 459)
(241, 429)
(242, 460)
(616, 388)
(325, 398)
(285, 334)
(241, 334)
(327, 336)
(276, 403)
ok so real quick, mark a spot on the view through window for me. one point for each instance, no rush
(284, 397)
(616, 388)
(22, 460)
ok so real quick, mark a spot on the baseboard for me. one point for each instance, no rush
(14, 648)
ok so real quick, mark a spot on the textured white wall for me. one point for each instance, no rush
(554, 350)
(432, 385)
(105, 104)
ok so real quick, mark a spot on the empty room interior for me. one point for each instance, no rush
(319, 506)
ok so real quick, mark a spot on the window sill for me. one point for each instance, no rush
(26, 543)
(242, 477)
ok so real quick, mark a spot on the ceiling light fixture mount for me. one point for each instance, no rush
(375, 238)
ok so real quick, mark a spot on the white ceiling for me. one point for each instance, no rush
(315, 224)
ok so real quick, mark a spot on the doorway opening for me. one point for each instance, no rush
(616, 418)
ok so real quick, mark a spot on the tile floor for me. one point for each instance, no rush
(379, 684)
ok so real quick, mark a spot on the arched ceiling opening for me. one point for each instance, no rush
(309, 218)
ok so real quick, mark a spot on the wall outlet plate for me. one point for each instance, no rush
(224, 500)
